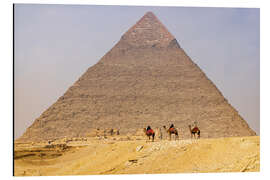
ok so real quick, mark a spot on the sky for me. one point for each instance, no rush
(56, 44)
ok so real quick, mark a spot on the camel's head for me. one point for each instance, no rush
(144, 129)
(164, 127)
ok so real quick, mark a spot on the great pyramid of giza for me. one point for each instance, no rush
(145, 79)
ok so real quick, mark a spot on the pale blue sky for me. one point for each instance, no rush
(55, 45)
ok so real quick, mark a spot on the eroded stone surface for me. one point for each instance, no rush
(148, 32)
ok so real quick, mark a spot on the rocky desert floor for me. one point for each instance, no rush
(136, 155)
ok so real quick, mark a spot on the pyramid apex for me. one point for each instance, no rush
(148, 32)
(149, 13)
(151, 16)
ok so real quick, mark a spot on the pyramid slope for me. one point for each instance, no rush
(138, 83)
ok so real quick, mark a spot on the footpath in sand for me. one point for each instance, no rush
(108, 156)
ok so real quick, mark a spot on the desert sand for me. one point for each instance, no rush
(136, 155)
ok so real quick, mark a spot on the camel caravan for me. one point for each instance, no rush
(172, 130)
(161, 133)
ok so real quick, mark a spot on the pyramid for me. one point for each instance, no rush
(145, 79)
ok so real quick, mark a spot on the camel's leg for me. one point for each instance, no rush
(148, 138)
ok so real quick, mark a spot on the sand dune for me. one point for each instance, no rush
(119, 155)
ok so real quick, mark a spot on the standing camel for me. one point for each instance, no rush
(194, 131)
(172, 130)
(149, 132)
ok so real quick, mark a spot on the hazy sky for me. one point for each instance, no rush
(55, 45)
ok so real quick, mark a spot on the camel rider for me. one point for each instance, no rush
(172, 126)
(149, 130)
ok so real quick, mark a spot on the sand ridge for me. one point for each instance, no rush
(136, 155)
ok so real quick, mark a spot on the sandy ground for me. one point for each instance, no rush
(135, 155)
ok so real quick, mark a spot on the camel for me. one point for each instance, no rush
(149, 132)
(194, 131)
(172, 130)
